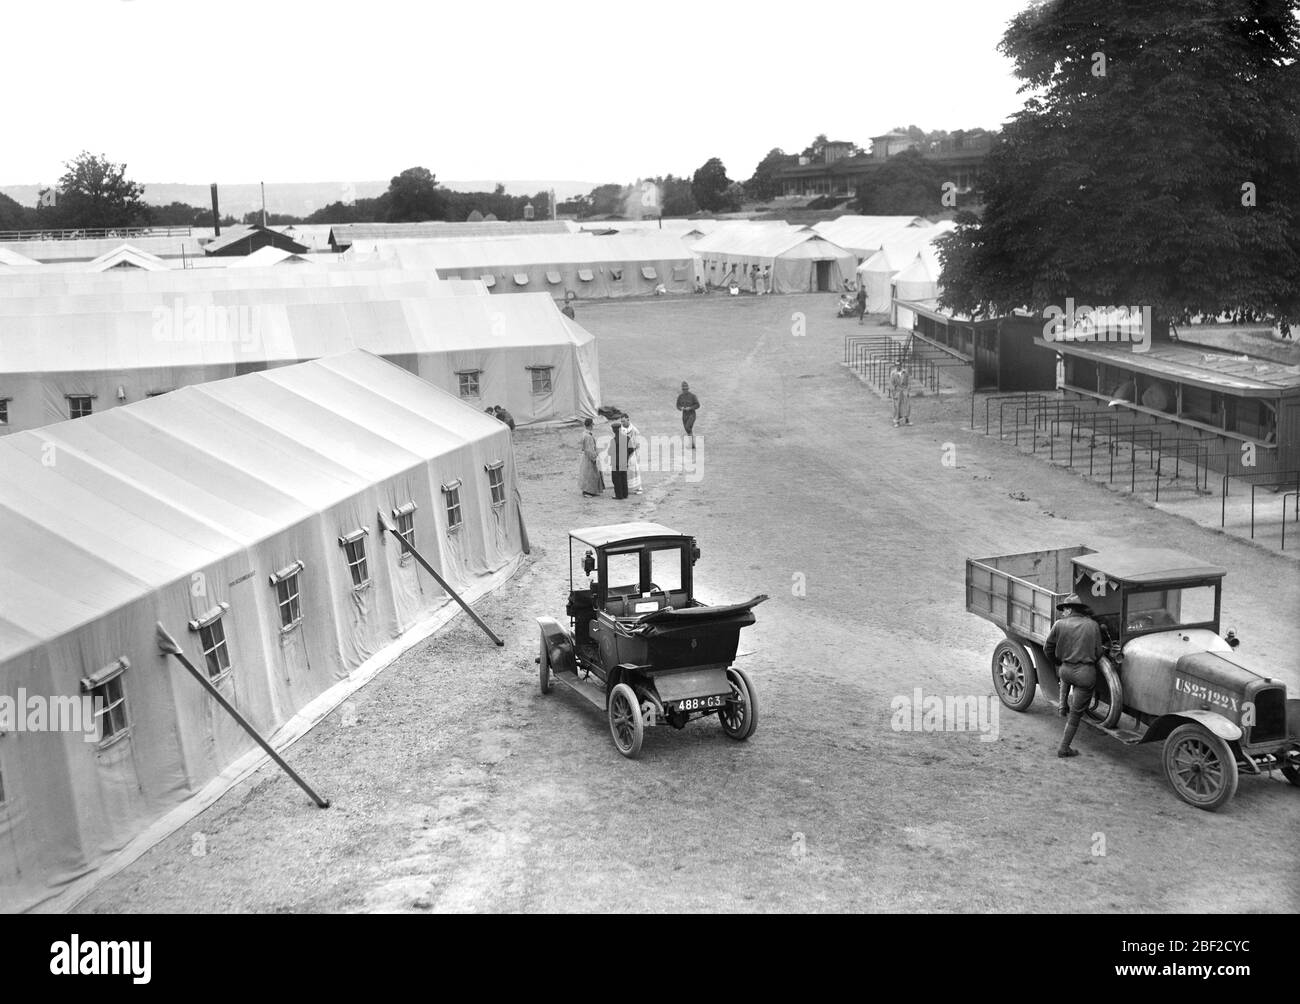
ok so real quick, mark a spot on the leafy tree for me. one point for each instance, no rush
(15, 216)
(678, 198)
(711, 187)
(605, 200)
(95, 193)
(414, 197)
(765, 184)
(905, 185)
(1156, 162)
(815, 148)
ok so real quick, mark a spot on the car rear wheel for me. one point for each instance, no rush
(1013, 675)
(625, 723)
(1200, 766)
(739, 713)
(544, 670)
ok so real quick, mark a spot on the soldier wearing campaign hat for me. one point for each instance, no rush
(1075, 645)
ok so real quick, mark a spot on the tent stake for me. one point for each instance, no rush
(168, 645)
(406, 546)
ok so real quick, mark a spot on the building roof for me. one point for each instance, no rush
(15, 260)
(144, 494)
(86, 250)
(1241, 375)
(901, 248)
(1146, 564)
(236, 239)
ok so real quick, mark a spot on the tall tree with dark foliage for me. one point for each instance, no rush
(1156, 162)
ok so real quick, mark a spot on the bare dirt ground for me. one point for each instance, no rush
(458, 787)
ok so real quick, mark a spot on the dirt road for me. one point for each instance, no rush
(457, 786)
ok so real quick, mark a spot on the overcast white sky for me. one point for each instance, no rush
(286, 90)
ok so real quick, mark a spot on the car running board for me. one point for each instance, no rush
(594, 694)
(1127, 736)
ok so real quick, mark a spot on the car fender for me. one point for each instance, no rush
(556, 645)
(1212, 720)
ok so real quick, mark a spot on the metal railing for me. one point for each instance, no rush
(86, 234)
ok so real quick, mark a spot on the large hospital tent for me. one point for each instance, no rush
(244, 517)
(797, 259)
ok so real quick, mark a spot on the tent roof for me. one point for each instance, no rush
(865, 235)
(125, 339)
(901, 250)
(85, 250)
(270, 255)
(145, 494)
(16, 260)
(344, 234)
(767, 240)
(529, 250)
(127, 257)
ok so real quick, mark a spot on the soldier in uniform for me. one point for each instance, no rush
(1075, 645)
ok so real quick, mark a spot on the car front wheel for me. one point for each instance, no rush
(1200, 766)
(739, 713)
(1291, 772)
(625, 723)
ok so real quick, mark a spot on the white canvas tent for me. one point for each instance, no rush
(865, 235)
(877, 273)
(13, 259)
(584, 265)
(797, 259)
(519, 352)
(916, 283)
(237, 504)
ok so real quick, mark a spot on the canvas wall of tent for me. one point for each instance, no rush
(581, 266)
(797, 259)
(64, 357)
(242, 516)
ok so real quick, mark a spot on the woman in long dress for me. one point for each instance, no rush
(589, 479)
(633, 459)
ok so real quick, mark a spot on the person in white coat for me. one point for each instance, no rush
(633, 456)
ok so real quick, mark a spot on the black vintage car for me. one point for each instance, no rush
(639, 645)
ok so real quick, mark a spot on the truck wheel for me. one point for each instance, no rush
(625, 723)
(1107, 697)
(1013, 675)
(1200, 766)
(1292, 773)
(739, 715)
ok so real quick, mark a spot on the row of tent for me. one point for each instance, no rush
(75, 344)
(245, 516)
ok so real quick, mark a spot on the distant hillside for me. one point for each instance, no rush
(300, 198)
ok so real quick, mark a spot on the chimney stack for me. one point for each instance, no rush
(216, 213)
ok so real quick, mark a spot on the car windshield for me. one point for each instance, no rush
(623, 573)
(666, 569)
(1156, 609)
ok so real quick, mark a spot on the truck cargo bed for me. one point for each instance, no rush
(1019, 592)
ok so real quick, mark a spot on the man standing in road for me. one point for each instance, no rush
(861, 300)
(1075, 645)
(618, 457)
(900, 389)
(688, 404)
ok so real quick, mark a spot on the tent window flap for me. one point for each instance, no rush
(586, 275)
(521, 278)
(553, 277)
(488, 279)
(648, 271)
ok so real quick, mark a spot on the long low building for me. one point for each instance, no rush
(565, 266)
(519, 352)
(243, 516)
